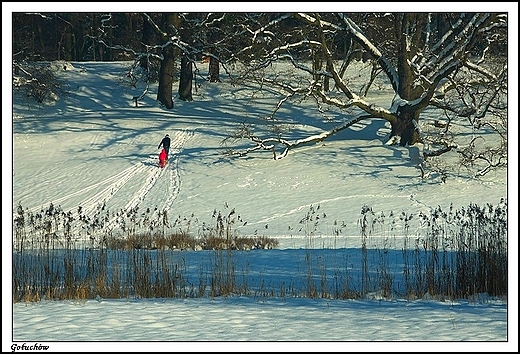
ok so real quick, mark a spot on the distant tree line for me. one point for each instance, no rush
(77, 36)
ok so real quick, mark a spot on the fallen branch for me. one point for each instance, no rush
(271, 143)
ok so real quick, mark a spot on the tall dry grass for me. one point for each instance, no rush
(444, 255)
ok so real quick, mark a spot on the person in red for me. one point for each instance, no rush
(162, 158)
(165, 144)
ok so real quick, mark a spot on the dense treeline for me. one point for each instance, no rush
(85, 36)
(71, 36)
(94, 36)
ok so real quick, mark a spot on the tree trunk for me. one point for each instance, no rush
(186, 81)
(164, 95)
(317, 62)
(68, 46)
(326, 79)
(404, 128)
(214, 69)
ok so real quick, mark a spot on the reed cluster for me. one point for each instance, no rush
(443, 255)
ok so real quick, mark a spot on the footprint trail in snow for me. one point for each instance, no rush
(178, 140)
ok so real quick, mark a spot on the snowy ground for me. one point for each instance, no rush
(93, 146)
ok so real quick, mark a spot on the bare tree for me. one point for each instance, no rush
(186, 80)
(214, 69)
(161, 42)
(169, 37)
(450, 63)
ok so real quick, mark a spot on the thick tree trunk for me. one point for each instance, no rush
(404, 127)
(326, 79)
(317, 62)
(214, 70)
(186, 81)
(68, 47)
(164, 94)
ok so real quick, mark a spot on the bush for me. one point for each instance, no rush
(38, 80)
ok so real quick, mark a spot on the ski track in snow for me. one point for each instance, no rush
(175, 183)
(91, 203)
(177, 142)
(306, 206)
(116, 182)
(154, 173)
(174, 187)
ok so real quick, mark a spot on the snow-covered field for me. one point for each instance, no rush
(93, 146)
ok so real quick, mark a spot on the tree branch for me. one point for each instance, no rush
(271, 143)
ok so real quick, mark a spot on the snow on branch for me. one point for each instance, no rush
(387, 66)
(314, 20)
(262, 29)
(272, 142)
(155, 26)
(489, 75)
(490, 157)
(371, 109)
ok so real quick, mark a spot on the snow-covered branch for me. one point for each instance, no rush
(387, 66)
(271, 143)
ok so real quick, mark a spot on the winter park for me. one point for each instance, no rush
(308, 181)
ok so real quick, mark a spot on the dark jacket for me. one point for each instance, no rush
(165, 142)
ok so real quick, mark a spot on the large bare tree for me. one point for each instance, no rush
(452, 63)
